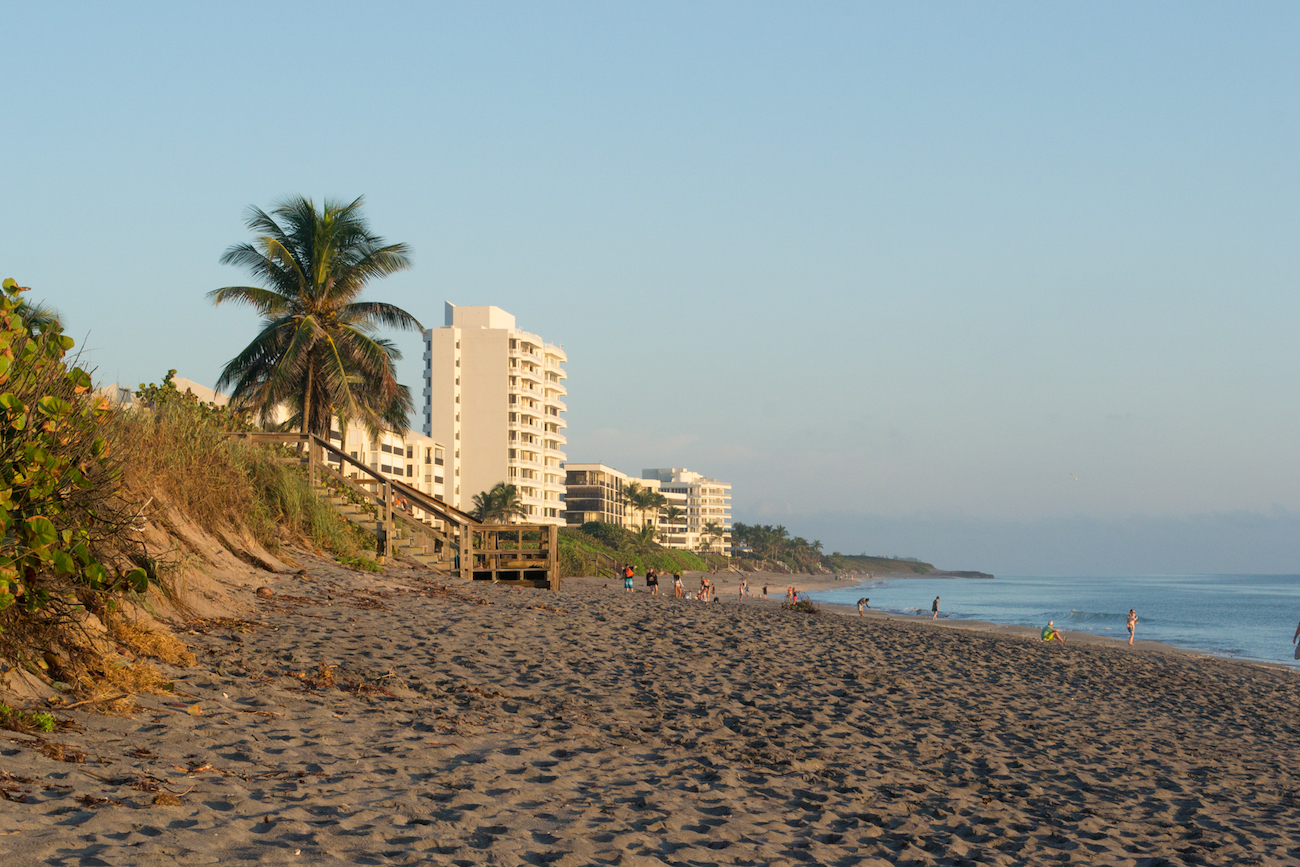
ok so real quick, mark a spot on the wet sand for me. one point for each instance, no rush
(392, 719)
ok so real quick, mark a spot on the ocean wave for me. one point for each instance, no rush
(1096, 616)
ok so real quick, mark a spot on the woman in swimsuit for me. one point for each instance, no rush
(1132, 624)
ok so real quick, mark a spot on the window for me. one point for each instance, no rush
(410, 470)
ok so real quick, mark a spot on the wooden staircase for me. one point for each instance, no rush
(406, 521)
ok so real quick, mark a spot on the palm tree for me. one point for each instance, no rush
(317, 354)
(713, 531)
(673, 516)
(643, 541)
(499, 505)
(630, 496)
(39, 316)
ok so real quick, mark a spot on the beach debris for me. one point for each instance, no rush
(60, 752)
(166, 799)
(194, 710)
(90, 802)
(265, 592)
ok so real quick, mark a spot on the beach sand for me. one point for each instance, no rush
(394, 719)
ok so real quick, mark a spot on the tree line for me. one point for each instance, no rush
(775, 543)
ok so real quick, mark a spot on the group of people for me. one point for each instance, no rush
(707, 591)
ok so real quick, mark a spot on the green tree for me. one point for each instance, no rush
(630, 496)
(317, 354)
(499, 505)
(713, 532)
(673, 516)
(643, 541)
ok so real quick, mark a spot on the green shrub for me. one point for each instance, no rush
(62, 516)
(16, 720)
(610, 535)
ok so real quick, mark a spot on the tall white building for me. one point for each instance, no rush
(495, 396)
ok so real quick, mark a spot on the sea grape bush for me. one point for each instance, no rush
(58, 487)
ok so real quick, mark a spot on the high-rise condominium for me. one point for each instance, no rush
(494, 395)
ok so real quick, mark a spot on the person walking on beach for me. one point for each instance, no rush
(1050, 634)
(863, 603)
(764, 591)
(677, 585)
(652, 580)
(935, 609)
(1293, 641)
(628, 572)
(1132, 624)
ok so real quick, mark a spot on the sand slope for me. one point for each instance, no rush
(396, 720)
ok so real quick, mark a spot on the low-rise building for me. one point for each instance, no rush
(704, 501)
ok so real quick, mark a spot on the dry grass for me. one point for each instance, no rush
(149, 641)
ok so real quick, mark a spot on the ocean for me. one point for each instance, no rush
(1238, 616)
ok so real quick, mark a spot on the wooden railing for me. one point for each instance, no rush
(523, 554)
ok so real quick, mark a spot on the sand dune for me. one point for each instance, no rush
(394, 720)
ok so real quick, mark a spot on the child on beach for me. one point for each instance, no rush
(1132, 624)
(677, 585)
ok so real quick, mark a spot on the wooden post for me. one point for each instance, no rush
(466, 552)
(313, 460)
(553, 556)
(388, 517)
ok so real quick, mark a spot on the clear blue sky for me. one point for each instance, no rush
(900, 272)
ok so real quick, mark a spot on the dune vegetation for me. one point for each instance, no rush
(89, 493)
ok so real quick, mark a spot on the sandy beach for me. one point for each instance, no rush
(350, 718)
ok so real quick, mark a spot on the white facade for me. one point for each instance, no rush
(407, 456)
(495, 396)
(704, 501)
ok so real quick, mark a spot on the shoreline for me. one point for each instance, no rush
(778, 581)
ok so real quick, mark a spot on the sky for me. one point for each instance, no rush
(1002, 286)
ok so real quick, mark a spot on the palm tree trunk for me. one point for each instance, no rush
(306, 401)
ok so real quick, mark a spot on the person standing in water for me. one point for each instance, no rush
(1132, 624)
(935, 609)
